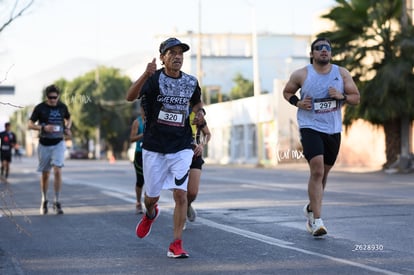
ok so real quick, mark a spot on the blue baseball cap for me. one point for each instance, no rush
(172, 42)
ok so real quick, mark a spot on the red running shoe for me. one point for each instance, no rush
(176, 250)
(144, 226)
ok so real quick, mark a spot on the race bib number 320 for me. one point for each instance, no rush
(324, 105)
(173, 118)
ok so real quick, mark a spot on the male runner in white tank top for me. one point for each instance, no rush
(324, 88)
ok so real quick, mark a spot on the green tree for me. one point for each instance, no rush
(19, 123)
(243, 87)
(97, 100)
(368, 40)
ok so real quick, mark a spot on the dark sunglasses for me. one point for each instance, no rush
(320, 47)
(52, 97)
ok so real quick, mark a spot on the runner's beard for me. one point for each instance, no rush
(322, 61)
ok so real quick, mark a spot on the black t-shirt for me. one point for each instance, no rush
(166, 102)
(56, 115)
(7, 140)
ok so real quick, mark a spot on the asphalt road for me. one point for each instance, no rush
(249, 221)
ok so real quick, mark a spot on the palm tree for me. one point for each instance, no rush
(368, 40)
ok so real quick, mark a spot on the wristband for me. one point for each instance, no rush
(293, 100)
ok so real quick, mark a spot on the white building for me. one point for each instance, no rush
(262, 130)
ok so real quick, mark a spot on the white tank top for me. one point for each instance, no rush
(326, 115)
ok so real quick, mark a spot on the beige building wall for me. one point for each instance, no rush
(263, 130)
(363, 145)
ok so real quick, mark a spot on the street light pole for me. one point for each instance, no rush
(256, 86)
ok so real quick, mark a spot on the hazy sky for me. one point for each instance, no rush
(54, 31)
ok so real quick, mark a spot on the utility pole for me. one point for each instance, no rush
(405, 161)
(199, 53)
(98, 127)
(256, 74)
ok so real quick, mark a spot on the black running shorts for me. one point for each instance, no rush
(138, 169)
(197, 163)
(6, 156)
(316, 143)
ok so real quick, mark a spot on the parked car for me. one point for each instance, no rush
(78, 153)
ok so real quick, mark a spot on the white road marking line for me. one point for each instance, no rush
(288, 245)
(251, 235)
(244, 233)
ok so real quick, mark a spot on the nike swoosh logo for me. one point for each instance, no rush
(179, 182)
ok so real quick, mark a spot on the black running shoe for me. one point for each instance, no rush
(58, 208)
(43, 208)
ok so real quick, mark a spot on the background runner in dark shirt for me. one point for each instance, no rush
(8, 142)
(52, 119)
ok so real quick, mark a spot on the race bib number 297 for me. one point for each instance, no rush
(324, 105)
